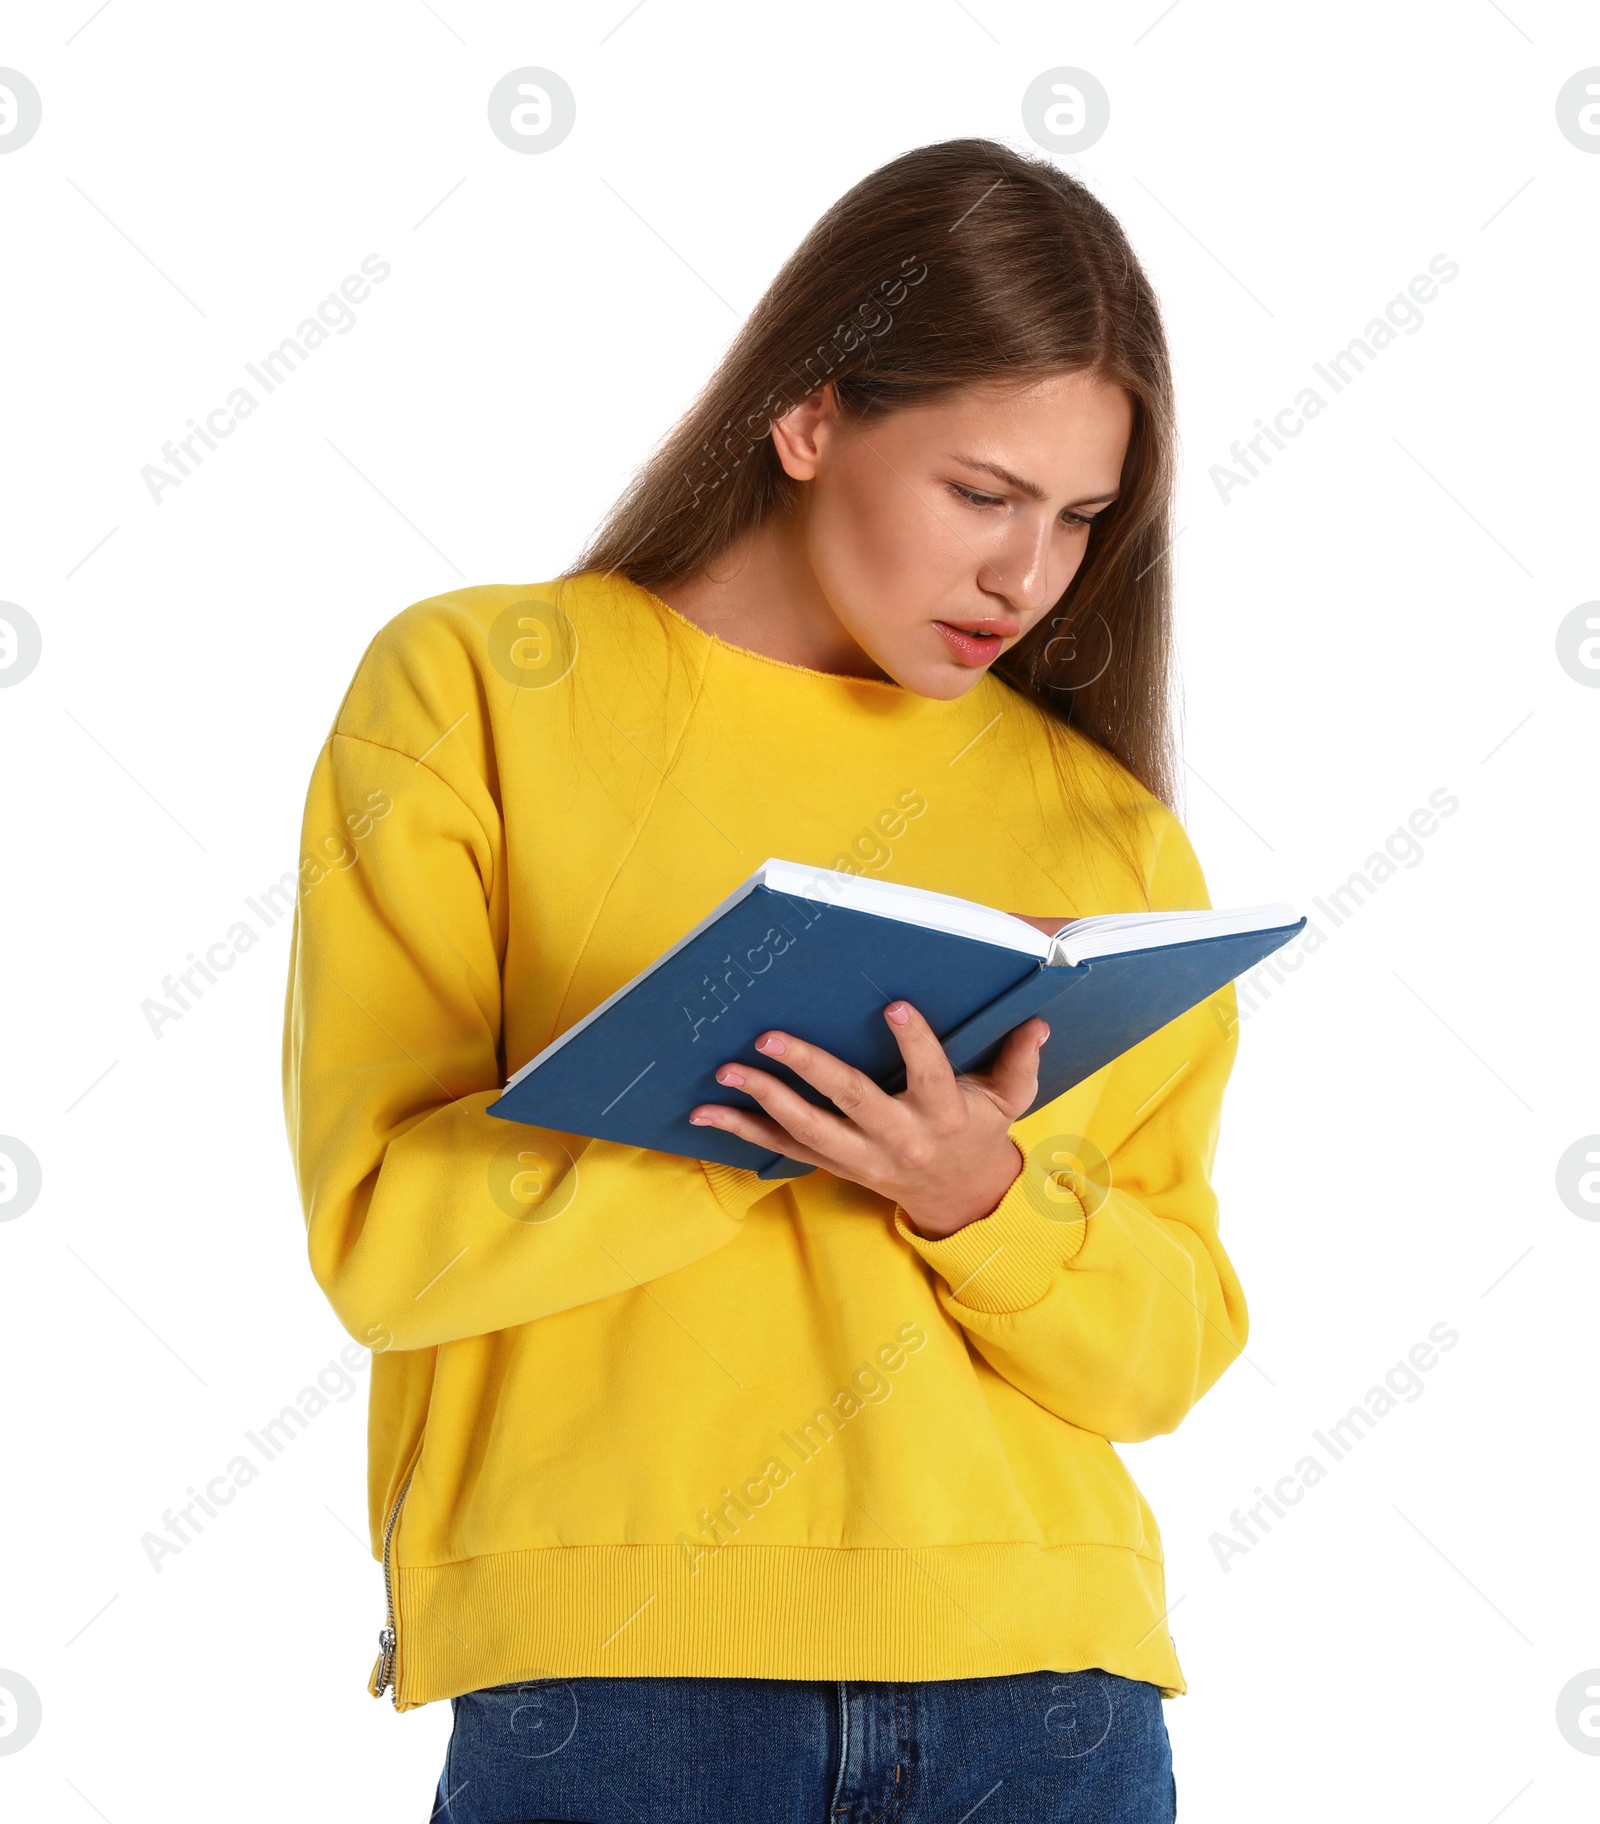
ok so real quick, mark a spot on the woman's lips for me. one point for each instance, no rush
(973, 648)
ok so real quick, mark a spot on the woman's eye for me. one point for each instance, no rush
(975, 498)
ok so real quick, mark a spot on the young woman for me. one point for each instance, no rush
(700, 1495)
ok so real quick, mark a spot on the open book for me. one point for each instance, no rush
(821, 953)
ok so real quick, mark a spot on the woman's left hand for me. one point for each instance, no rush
(940, 1149)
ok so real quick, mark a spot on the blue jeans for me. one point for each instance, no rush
(1033, 1748)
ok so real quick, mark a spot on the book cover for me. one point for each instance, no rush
(825, 970)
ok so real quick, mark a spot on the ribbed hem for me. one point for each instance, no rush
(900, 1614)
(1006, 1260)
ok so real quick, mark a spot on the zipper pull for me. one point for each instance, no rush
(383, 1670)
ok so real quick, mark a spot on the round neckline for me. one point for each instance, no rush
(898, 691)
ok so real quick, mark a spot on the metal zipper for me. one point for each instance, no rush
(383, 1673)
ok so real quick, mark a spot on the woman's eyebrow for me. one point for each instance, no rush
(1029, 488)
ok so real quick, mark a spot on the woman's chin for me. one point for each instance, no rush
(943, 678)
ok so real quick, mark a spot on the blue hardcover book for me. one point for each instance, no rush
(820, 954)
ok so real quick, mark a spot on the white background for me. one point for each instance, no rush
(1371, 619)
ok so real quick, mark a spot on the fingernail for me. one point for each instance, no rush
(733, 1078)
(771, 1044)
(899, 1013)
(1044, 1036)
(701, 1121)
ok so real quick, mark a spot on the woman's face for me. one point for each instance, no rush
(941, 534)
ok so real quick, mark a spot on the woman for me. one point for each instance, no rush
(704, 1496)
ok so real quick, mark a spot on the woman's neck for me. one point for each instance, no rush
(763, 595)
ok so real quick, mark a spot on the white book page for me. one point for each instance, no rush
(1080, 940)
(910, 905)
(1116, 933)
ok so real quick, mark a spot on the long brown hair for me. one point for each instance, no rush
(958, 264)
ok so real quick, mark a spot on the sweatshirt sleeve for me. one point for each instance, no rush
(1098, 1286)
(427, 1218)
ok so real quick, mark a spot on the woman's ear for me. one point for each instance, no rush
(800, 436)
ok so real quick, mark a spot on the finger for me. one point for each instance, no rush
(851, 1091)
(759, 1130)
(1013, 1082)
(928, 1074)
(818, 1128)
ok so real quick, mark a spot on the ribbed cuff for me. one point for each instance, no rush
(1004, 1261)
(736, 1187)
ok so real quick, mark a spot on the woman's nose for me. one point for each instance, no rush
(1021, 572)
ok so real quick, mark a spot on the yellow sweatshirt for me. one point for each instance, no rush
(634, 1414)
